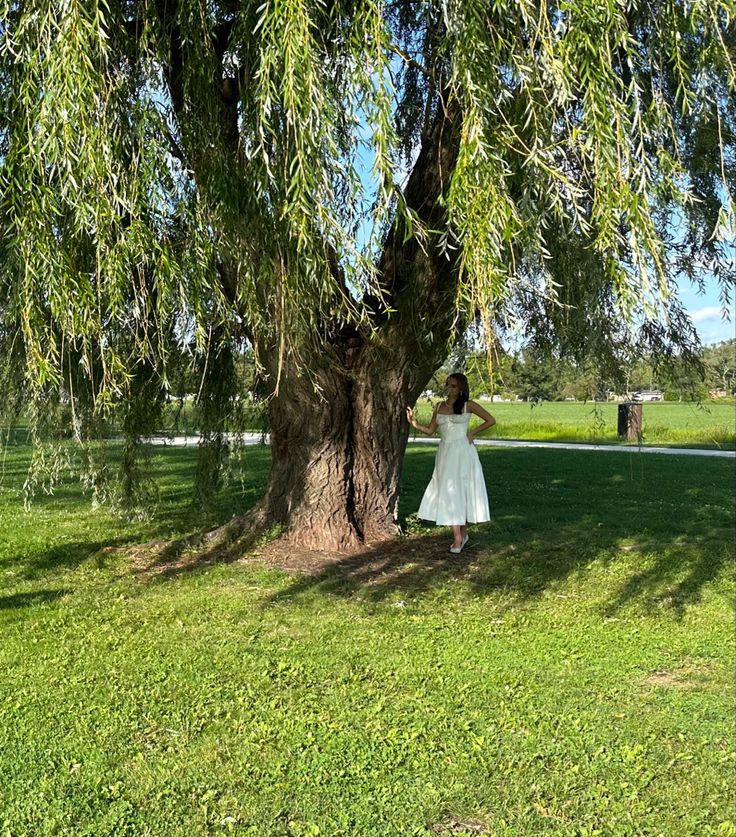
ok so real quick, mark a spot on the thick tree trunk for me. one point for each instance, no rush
(337, 456)
(338, 426)
(310, 491)
(338, 420)
(339, 431)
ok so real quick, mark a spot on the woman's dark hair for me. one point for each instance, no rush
(464, 393)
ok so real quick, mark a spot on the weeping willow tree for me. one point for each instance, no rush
(344, 187)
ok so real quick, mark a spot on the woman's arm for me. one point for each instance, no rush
(430, 428)
(488, 420)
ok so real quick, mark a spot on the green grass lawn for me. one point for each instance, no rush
(570, 674)
(710, 424)
(672, 424)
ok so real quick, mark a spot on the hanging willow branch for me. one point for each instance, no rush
(173, 170)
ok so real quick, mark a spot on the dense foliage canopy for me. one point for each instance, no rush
(179, 178)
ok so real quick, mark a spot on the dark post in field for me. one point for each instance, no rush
(630, 420)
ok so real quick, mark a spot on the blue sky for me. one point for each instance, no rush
(706, 312)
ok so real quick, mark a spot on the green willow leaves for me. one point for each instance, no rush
(176, 177)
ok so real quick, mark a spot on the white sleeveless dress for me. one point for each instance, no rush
(456, 494)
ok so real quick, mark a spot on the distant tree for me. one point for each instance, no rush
(582, 381)
(537, 377)
(179, 178)
(682, 382)
(641, 375)
(720, 365)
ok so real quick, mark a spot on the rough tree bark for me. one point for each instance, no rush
(337, 457)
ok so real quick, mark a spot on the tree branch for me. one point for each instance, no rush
(406, 265)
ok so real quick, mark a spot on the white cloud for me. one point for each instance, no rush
(711, 326)
(708, 314)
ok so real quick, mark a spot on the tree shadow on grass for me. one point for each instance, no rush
(521, 569)
(519, 556)
(662, 529)
(174, 513)
(67, 556)
(17, 601)
(663, 525)
(676, 577)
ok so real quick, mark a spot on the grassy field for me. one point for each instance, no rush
(669, 424)
(570, 674)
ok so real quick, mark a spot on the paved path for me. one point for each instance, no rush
(258, 438)
(510, 443)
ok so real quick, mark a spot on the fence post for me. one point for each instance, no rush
(630, 420)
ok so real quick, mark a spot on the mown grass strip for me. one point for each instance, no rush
(706, 425)
(570, 673)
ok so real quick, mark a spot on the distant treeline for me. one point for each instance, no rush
(534, 376)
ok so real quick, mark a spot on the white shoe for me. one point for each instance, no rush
(456, 550)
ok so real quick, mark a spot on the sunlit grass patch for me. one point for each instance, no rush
(707, 425)
(571, 671)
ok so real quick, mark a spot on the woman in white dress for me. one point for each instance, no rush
(456, 494)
